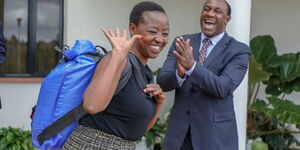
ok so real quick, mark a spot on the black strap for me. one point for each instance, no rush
(74, 115)
(137, 71)
(95, 56)
(125, 76)
(132, 66)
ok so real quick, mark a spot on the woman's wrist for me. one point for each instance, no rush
(119, 55)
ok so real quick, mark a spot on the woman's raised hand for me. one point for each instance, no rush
(119, 42)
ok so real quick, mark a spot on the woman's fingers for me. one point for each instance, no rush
(154, 89)
(125, 34)
(133, 39)
(106, 33)
(119, 41)
(112, 34)
(118, 33)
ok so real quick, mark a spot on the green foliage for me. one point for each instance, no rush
(269, 119)
(155, 73)
(280, 141)
(284, 70)
(258, 145)
(256, 72)
(15, 139)
(156, 134)
(286, 111)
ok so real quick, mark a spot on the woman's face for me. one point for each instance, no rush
(154, 28)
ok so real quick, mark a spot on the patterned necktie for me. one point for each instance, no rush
(205, 43)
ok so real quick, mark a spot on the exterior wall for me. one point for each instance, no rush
(17, 100)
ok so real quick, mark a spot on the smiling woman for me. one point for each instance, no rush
(31, 30)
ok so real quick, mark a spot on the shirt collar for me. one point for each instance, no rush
(214, 39)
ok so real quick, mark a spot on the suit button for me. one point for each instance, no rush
(188, 112)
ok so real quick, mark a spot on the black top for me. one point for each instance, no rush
(129, 112)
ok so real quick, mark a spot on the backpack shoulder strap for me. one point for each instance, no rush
(137, 71)
(73, 115)
(125, 76)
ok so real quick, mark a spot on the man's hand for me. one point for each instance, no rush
(180, 69)
(184, 54)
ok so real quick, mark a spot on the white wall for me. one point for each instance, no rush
(17, 101)
(280, 19)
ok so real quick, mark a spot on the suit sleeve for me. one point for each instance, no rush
(227, 81)
(167, 76)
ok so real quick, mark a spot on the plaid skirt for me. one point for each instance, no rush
(85, 138)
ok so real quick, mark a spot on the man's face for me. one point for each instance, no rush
(214, 17)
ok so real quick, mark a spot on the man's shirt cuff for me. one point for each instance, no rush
(181, 80)
(189, 72)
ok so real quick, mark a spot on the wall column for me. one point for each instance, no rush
(239, 28)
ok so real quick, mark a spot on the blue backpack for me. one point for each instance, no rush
(59, 106)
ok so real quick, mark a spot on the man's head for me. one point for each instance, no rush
(214, 17)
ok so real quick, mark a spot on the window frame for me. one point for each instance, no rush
(32, 43)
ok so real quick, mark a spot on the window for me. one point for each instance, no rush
(32, 28)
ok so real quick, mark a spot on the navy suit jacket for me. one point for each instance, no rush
(204, 103)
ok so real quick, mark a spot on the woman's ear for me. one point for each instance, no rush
(132, 29)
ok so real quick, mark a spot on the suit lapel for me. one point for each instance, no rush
(195, 43)
(221, 45)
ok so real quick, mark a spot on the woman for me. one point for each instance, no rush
(117, 121)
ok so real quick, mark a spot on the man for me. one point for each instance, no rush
(2, 45)
(204, 69)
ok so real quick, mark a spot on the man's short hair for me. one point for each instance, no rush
(228, 8)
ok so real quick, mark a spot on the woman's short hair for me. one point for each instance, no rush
(138, 10)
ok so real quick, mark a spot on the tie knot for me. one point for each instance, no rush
(206, 41)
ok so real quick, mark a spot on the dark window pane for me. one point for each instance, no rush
(14, 16)
(32, 28)
(47, 35)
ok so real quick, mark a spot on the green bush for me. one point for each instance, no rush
(271, 118)
(258, 145)
(15, 139)
(156, 134)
